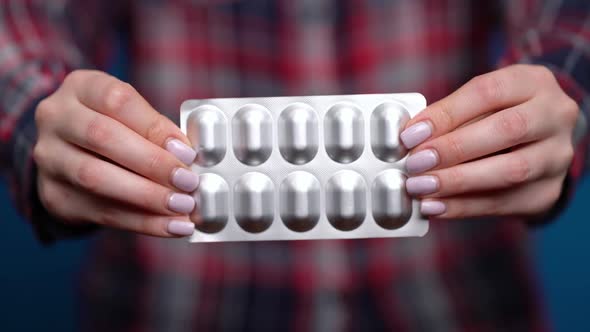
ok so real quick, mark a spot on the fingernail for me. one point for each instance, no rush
(432, 208)
(183, 152)
(416, 134)
(421, 161)
(181, 203)
(181, 228)
(422, 185)
(185, 180)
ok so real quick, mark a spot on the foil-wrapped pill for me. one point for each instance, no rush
(392, 207)
(211, 212)
(386, 122)
(252, 134)
(300, 201)
(254, 202)
(346, 200)
(344, 133)
(298, 133)
(206, 129)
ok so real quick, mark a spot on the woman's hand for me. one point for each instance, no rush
(499, 145)
(105, 156)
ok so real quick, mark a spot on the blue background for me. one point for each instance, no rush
(37, 284)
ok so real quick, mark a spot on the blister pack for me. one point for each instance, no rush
(306, 167)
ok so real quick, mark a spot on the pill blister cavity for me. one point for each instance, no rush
(386, 122)
(346, 200)
(344, 133)
(252, 134)
(300, 201)
(212, 205)
(254, 202)
(298, 133)
(207, 130)
(392, 207)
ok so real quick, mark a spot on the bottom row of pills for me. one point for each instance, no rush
(299, 201)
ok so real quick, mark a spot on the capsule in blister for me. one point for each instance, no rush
(386, 122)
(206, 128)
(254, 202)
(298, 133)
(211, 213)
(252, 134)
(344, 133)
(392, 207)
(300, 201)
(346, 200)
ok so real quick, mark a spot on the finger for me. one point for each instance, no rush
(74, 206)
(530, 199)
(526, 164)
(500, 131)
(104, 179)
(98, 133)
(489, 92)
(120, 101)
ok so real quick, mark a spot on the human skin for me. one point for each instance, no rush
(501, 145)
(105, 156)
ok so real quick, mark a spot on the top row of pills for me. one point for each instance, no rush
(298, 133)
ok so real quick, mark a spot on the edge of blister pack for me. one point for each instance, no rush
(230, 169)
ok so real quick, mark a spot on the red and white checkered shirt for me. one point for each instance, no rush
(463, 276)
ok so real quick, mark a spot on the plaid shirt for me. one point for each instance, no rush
(469, 276)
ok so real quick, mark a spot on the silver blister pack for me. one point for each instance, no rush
(308, 167)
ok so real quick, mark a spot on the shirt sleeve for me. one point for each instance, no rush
(556, 34)
(37, 50)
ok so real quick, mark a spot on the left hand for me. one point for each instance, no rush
(500, 145)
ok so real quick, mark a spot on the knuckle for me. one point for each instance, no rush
(455, 149)
(444, 116)
(157, 129)
(97, 133)
(489, 87)
(39, 154)
(455, 180)
(88, 175)
(75, 77)
(156, 161)
(518, 170)
(554, 192)
(568, 154)
(513, 125)
(570, 111)
(50, 197)
(116, 95)
(543, 73)
(496, 207)
(154, 197)
(107, 217)
(45, 112)
(456, 209)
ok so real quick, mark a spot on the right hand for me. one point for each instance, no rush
(105, 156)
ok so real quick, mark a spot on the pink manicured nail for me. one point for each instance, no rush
(181, 203)
(421, 161)
(422, 185)
(181, 228)
(416, 134)
(183, 152)
(432, 208)
(185, 180)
